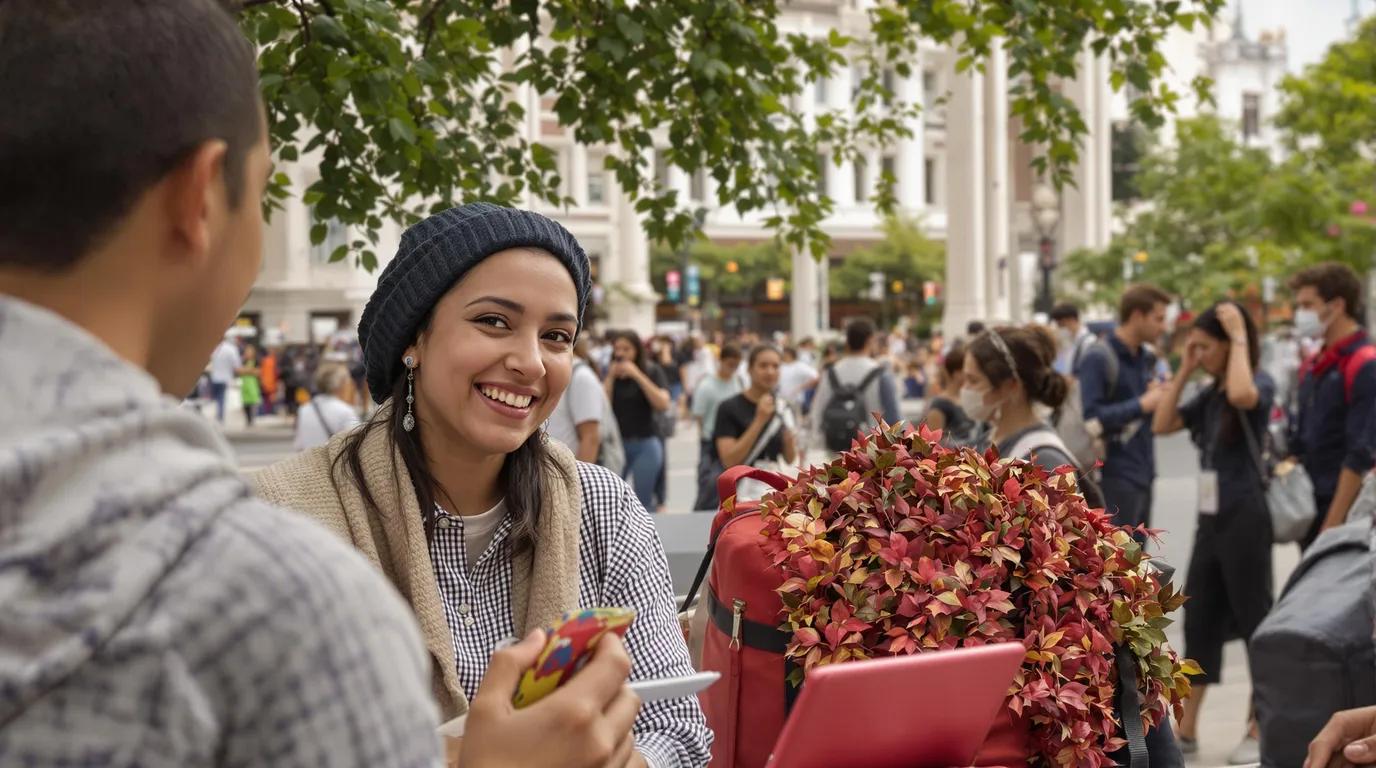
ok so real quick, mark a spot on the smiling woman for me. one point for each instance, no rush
(487, 527)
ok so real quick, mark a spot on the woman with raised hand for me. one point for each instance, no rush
(1229, 581)
(638, 392)
(452, 489)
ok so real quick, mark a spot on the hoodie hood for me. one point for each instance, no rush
(104, 485)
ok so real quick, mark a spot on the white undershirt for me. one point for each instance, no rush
(478, 531)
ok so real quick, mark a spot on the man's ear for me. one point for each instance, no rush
(195, 197)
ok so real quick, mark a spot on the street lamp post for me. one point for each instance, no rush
(1046, 214)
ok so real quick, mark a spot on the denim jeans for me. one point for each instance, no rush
(644, 458)
(217, 391)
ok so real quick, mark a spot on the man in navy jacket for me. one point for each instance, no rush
(1332, 432)
(1122, 397)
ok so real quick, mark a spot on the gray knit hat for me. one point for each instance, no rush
(433, 255)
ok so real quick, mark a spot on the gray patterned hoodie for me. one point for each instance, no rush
(152, 613)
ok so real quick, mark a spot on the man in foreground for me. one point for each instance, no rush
(151, 611)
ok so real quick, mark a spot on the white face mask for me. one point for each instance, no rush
(1308, 324)
(972, 402)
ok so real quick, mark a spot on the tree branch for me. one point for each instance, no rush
(246, 4)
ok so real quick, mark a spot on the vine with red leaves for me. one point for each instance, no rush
(900, 546)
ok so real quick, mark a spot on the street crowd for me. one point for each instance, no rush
(479, 465)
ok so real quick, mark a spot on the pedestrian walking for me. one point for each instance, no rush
(154, 613)
(250, 386)
(711, 392)
(852, 390)
(1119, 391)
(1333, 433)
(331, 411)
(488, 528)
(225, 362)
(1229, 577)
(638, 392)
(1073, 338)
(269, 374)
(756, 427)
(577, 419)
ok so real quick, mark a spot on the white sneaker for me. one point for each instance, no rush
(1248, 752)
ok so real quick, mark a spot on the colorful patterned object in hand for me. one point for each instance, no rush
(566, 651)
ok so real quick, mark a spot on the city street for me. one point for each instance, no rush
(684, 536)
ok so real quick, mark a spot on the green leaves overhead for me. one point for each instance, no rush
(415, 105)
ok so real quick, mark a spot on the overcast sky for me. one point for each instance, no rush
(1310, 25)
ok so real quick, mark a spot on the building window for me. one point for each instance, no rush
(661, 169)
(862, 192)
(931, 98)
(888, 166)
(929, 181)
(1251, 115)
(336, 235)
(823, 175)
(697, 186)
(890, 81)
(820, 88)
(597, 186)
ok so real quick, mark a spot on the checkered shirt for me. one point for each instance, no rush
(621, 564)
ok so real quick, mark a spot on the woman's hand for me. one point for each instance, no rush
(586, 723)
(764, 410)
(1230, 317)
(1189, 362)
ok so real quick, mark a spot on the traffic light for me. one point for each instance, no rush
(931, 293)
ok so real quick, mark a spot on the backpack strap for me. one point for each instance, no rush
(726, 489)
(1352, 367)
(1130, 709)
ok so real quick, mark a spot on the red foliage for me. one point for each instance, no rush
(900, 546)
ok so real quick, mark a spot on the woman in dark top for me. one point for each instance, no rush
(756, 426)
(1007, 372)
(638, 391)
(1229, 580)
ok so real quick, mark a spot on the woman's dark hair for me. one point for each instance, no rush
(521, 479)
(634, 339)
(760, 349)
(955, 359)
(1229, 429)
(1033, 349)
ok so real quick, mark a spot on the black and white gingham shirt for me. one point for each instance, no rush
(621, 564)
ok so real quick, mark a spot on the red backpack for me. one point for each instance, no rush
(747, 708)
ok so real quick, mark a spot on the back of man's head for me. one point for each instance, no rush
(99, 100)
(1065, 312)
(859, 332)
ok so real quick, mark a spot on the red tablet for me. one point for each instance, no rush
(930, 710)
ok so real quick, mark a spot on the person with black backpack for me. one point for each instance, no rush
(851, 390)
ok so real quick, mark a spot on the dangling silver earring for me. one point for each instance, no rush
(408, 422)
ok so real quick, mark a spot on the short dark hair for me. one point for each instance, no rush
(1065, 311)
(974, 328)
(729, 352)
(99, 100)
(858, 334)
(1333, 280)
(1143, 298)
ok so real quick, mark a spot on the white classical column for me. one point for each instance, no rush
(630, 297)
(965, 285)
(805, 300)
(911, 155)
(578, 174)
(1086, 207)
(997, 189)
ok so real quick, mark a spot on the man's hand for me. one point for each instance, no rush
(586, 723)
(1349, 739)
(1152, 398)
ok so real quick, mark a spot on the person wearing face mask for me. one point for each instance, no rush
(1332, 433)
(487, 527)
(944, 412)
(1073, 339)
(1118, 389)
(1229, 580)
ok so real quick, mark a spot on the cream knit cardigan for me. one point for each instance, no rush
(544, 584)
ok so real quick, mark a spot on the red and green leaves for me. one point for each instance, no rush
(901, 546)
